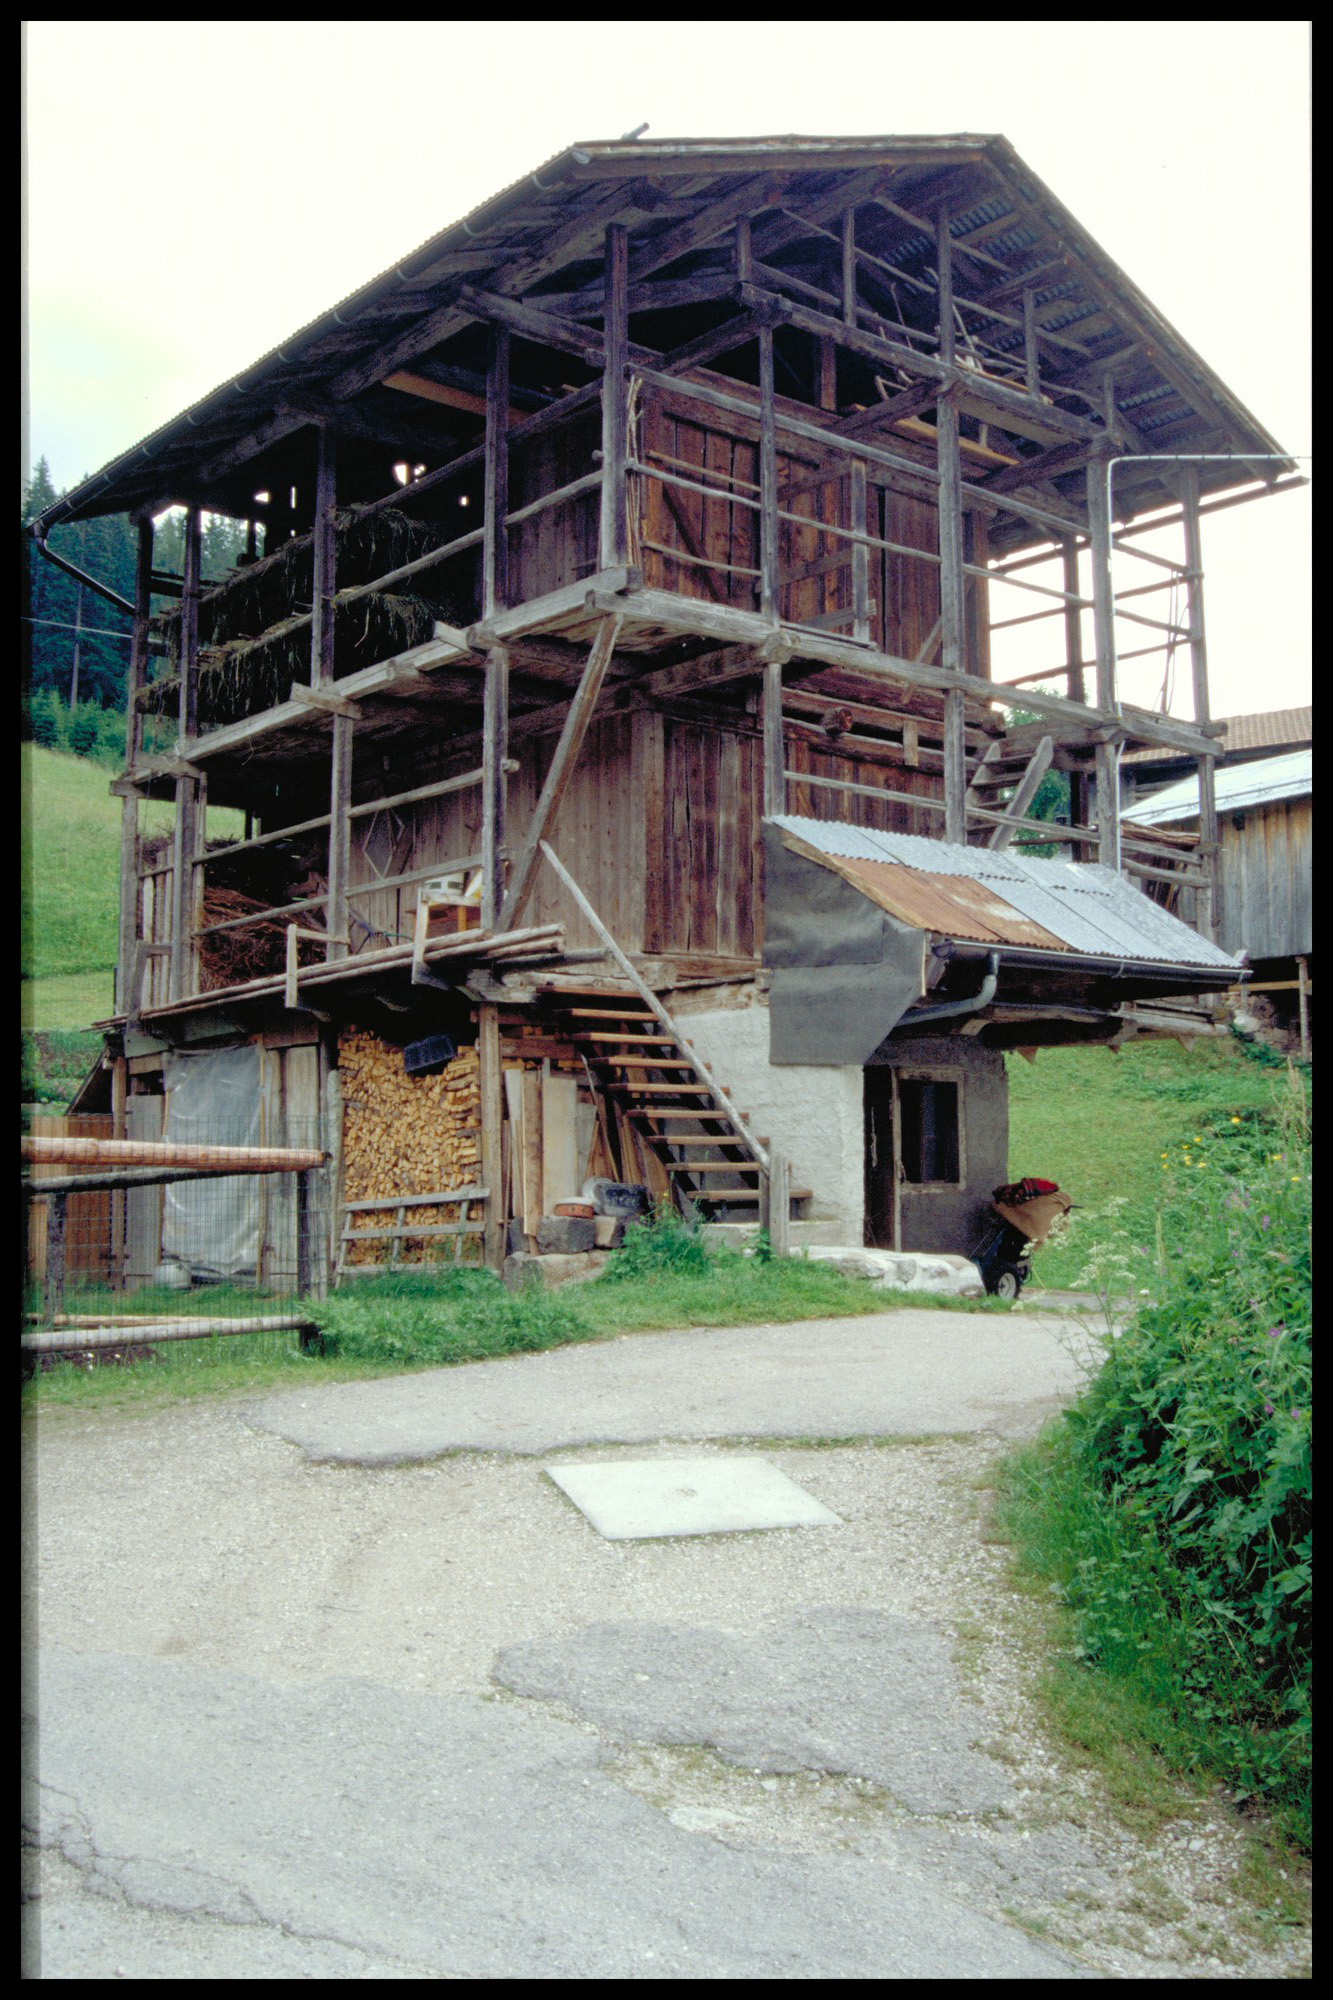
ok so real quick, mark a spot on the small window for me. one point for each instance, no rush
(929, 1110)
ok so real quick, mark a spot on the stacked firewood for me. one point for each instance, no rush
(406, 1134)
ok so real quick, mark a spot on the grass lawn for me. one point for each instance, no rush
(71, 885)
(1099, 1123)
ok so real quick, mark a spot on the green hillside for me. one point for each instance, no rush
(71, 878)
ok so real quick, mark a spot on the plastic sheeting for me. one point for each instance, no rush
(212, 1227)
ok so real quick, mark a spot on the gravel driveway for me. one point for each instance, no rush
(340, 1684)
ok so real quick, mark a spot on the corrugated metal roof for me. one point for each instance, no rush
(1079, 907)
(1238, 788)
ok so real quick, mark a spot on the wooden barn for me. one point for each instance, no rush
(606, 691)
(1265, 816)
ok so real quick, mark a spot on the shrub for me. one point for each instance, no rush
(1187, 1460)
(49, 719)
(83, 728)
(662, 1246)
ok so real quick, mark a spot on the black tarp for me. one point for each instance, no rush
(844, 972)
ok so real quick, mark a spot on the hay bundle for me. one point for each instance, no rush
(251, 951)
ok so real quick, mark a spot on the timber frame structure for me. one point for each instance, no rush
(677, 488)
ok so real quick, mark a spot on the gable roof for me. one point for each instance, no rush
(540, 240)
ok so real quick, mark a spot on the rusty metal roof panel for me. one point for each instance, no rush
(951, 904)
(1006, 898)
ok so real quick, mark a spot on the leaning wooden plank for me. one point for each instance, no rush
(562, 765)
(560, 1162)
(1026, 791)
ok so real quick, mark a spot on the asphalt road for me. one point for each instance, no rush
(340, 1685)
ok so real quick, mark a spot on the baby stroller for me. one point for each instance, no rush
(1022, 1214)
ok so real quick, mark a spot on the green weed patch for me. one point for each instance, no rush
(1170, 1508)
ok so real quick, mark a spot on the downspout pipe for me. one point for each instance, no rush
(945, 1009)
(81, 575)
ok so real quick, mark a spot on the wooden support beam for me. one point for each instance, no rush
(952, 594)
(613, 539)
(768, 482)
(322, 698)
(490, 1082)
(1211, 913)
(495, 743)
(1031, 356)
(860, 554)
(580, 715)
(1103, 622)
(495, 483)
(185, 875)
(849, 266)
(340, 837)
(706, 347)
(127, 1001)
(325, 559)
(775, 787)
(1025, 792)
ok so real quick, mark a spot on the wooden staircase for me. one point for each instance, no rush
(680, 1116)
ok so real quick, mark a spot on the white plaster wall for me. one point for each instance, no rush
(814, 1116)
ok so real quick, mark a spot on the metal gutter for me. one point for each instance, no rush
(1023, 957)
(944, 1009)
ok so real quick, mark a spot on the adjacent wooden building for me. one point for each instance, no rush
(663, 507)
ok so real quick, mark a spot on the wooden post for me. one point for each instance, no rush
(56, 1216)
(494, 789)
(952, 614)
(184, 870)
(828, 373)
(1103, 625)
(849, 267)
(777, 1183)
(127, 1001)
(340, 837)
(324, 544)
(744, 254)
(1208, 832)
(1303, 985)
(614, 535)
(1074, 688)
(1031, 358)
(952, 579)
(944, 266)
(331, 1139)
(860, 555)
(768, 482)
(775, 781)
(495, 548)
(491, 1084)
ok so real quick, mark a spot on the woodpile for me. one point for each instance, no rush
(405, 1135)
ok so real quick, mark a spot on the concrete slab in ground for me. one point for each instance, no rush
(651, 1499)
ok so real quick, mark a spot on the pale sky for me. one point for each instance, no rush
(195, 193)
